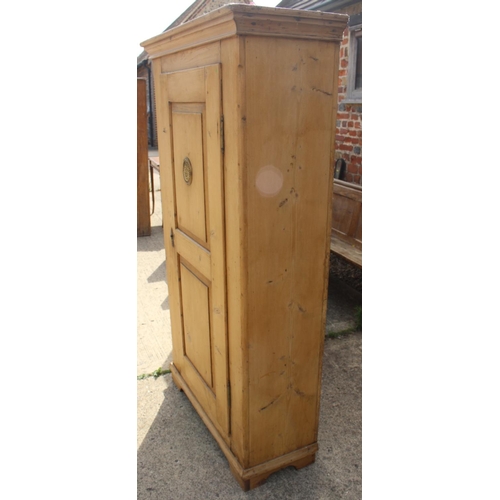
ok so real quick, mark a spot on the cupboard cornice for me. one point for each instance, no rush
(241, 19)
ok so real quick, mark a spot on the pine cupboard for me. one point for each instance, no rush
(246, 107)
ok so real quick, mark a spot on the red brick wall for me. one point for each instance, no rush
(348, 141)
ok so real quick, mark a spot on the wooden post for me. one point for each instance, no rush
(143, 216)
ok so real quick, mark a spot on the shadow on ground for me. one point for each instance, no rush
(179, 458)
(344, 297)
(151, 243)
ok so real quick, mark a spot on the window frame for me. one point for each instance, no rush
(353, 94)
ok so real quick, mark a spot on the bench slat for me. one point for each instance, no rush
(154, 161)
(349, 252)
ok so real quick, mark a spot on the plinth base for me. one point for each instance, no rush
(257, 475)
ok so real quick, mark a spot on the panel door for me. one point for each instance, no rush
(192, 177)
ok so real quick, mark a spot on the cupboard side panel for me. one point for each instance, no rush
(290, 103)
(233, 83)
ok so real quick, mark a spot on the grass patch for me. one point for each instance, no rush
(157, 373)
(336, 335)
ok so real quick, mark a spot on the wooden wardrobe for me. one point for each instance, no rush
(246, 102)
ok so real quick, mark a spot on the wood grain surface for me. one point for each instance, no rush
(143, 215)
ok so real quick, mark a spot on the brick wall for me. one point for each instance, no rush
(348, 141)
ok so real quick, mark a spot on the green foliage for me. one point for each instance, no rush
(336, 335)
(157, 373)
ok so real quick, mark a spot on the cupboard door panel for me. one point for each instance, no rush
(190, 103)
(196, 323)
(187, 135)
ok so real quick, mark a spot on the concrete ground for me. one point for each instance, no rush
(177, 456)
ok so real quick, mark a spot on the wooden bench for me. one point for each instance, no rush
(346, 221)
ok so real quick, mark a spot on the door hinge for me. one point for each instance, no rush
(172, 237)
(229, 395)
(222, 133)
